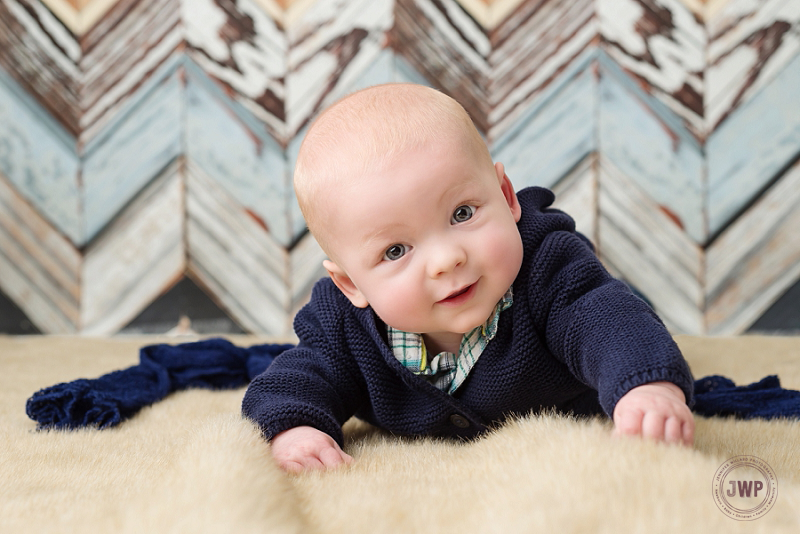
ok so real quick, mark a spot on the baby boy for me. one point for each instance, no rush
(453, 302)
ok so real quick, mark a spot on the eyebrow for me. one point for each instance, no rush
(381, 234)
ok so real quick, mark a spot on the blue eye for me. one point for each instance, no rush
(462, 214)
(395, 252)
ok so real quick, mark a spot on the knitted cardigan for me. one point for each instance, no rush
(575, 339)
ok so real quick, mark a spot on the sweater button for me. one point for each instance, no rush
(459, 420)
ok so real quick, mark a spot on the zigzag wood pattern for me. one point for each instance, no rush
(180, 120)
(38, 267)
(137, 256)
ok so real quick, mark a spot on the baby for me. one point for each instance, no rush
(453, 302)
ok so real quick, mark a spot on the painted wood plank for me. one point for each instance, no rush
(649, 250)
(752, 146)
(666, 53)
(122, 61)
(330, 46)
(79, 19)
(383, 70)
(245, 49)
(552, 137)
(577, 195)
(43, 57)
(138, 257)
(305, 268)
(452, 59)
(652, 147)
(533, 50)
(39, 268)
(248, 164)
(756, 259)
(132, 150)
(234, 258)
(490, 13)
(39, 158)
(750, 42)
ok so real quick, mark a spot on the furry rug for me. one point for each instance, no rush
(191, 464)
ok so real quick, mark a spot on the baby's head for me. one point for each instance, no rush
(365, 131)
(399, 189)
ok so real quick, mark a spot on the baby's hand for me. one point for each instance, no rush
(657, 410)
(305, 447)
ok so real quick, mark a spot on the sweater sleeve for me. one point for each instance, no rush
(314, 384)
(609, 339)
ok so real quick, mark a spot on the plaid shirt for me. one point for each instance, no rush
(446, 371)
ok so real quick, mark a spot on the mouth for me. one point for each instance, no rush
(460, 295)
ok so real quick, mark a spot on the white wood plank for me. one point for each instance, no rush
(650, 251)
(235, 258)
(138, 257)
(756, 259)
(576, 195)
(39, 267)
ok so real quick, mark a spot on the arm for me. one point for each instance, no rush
(609, 339)
(315, 386)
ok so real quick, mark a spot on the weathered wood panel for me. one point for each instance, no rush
(752, 147)
(248, 164)
(131, 151)
(662, 46)
(330, 46)
(756, 259)
(655, 150)
(448, 48)
(39, 267)
(533, 50)
(750, 42)
(137, 258)
(241, 46)
(232, 255)
(577, 195)
(121, 54)
(649, 250)
(43, 56)
(555, 135)
(38, 157)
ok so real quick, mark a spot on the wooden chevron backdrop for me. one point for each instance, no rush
(146, 141)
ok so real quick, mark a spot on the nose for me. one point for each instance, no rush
(445, 257)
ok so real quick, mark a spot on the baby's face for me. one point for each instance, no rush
(429, 240)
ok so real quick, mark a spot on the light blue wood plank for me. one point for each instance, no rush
(133, 149)
(649, 144)
(39, 157)
(248, 164)
(754, 144)
(553, 135)
(214, 88)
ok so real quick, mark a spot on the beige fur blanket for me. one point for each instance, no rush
(191, 464)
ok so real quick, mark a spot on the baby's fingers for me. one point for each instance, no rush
(628, 423)
(688, 432)
(653, 425)
(334, 457)
(673, 430)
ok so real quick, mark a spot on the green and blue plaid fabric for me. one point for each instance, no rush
(446, 371)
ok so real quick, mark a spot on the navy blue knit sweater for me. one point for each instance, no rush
(575, 339)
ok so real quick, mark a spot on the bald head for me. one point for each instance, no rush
(367, 130)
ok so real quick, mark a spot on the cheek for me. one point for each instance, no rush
(503, 250)
(398, 303)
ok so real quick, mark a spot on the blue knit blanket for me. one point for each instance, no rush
(218, 364)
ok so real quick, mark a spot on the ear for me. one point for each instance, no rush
(508, 191)
(345, 284)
